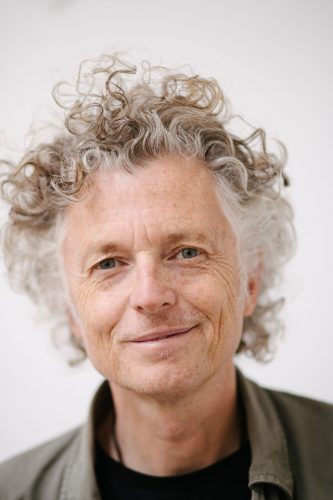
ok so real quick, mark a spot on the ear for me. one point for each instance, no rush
(253, 289)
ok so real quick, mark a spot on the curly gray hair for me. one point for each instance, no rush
(112, 118)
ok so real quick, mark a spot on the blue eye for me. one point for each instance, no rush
(189, 253)
(107, 263)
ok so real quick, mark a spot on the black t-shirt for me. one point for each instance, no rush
(227, 479)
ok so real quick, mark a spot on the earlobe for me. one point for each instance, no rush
(253, 289)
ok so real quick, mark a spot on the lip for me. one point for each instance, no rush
(162, 335)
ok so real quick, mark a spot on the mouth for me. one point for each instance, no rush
(162, 335)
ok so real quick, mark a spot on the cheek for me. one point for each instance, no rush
(99, 310)
(214, 293)
(219, 299)
(99, 314)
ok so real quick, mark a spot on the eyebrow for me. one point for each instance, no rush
(183, 235)
(100, 248)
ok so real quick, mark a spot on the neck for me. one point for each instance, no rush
(166, 439)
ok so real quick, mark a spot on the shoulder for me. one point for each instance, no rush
(302, 415)
(23, 472)
(298, 415)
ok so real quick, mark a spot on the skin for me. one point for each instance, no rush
(151, 254)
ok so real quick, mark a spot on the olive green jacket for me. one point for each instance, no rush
(290, 437)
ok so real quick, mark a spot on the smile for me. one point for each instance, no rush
(162, 335)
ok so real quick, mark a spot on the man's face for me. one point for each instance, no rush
(153, 275)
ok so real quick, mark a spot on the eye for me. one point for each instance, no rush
(188, 253)
(107, 263)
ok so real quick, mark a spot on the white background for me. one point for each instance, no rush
(274, 62)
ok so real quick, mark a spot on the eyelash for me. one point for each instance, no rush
(98, 266)
(189, 248)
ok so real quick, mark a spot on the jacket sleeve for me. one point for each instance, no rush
(37, 473)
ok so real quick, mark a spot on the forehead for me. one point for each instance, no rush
(163, 193)
(175, 178)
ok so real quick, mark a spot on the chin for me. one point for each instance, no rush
(163, 383)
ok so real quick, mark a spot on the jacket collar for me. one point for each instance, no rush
(270, 459)
(80, 480)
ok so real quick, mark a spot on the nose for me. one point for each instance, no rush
(151, 292)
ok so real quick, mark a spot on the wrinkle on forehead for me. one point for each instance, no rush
(170, 188)
(185, 171)
(161, 202)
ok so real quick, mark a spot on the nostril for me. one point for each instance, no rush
(152, 307)
(153, 301)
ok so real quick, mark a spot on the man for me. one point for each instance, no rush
(159, 235)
